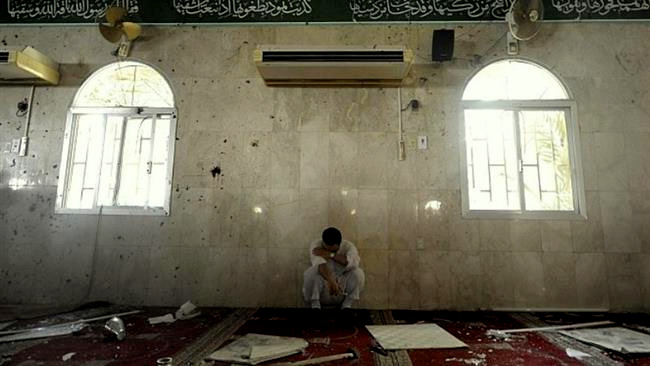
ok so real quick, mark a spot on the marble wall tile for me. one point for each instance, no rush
(374, 154)
(495, 235)
(217, 279)
(465, 267)
(528, 273)
(344, 109)
(378, 110)
(435, 279)
(618, 228)
(464, 234)
(402, 219)
(314, 213)
(434, 211)
(285, 227)
(588, 158)
(344, 158)
(198, 152)
(372, 218)
(171, 270)
(281, 289)
(235, 105)
(560, 279)
(587, 235)
(252, 273)
(497, 280)
(284, 160)
(527, 235)
(224, 226)
(637, 162)
(256, 160)
(403, 279)
(591, 275)
(375, 264)
(255, 212)
(314, 160)
(609, 154)
(438, 165)
(624, 280)
(556, 236)
(640, 206)
(301, 109)
(645, 276)
(121, 274)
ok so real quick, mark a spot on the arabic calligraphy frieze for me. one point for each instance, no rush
(600, 7)
(243, 8)
(84, 9)
(480, 9)
(422, 9)
(310, 11)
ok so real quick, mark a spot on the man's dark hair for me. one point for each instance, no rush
(332, 236)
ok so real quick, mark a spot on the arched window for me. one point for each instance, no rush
(520, 145)
(119, 143)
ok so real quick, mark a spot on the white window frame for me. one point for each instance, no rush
(567, 105)
(114, 210)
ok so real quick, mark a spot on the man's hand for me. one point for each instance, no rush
(321, 252)
(334, 288)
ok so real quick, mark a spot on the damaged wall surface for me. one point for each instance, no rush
(260, 171)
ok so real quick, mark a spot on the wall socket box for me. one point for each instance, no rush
(423, 142)
(15, 146)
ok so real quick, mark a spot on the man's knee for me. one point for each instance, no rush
(310, 273)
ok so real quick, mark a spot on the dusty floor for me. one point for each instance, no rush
(328, 332)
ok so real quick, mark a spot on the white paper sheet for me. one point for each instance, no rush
(614, 338)
(413, 336)
(254, 348)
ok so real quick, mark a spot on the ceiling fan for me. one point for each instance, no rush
(116, 29)
(524, 21)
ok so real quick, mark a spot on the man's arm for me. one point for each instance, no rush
(330, 279)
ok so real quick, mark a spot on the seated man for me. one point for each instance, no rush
(334, 276)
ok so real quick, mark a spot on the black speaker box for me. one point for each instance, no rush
(442, 48)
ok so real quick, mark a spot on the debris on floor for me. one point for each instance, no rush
(252, 349)
(475, 361)
(506, 333)
(184, 312)
(55, 330)
(167, 318)
(413, 336)
(68, 356)
(352, 354)
(187, 311)
(576, 354)
(44, 332)
(614, 338)
(115, 328)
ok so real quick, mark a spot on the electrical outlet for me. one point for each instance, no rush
(422, 142)
(15, 146)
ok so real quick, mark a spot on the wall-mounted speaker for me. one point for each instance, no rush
(442, 48)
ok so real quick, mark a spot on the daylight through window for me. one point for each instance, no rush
(520, 144)
(119, 143)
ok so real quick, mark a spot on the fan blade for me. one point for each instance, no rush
(131, 30)
(526, 30)
(111, 34)
(115, 14)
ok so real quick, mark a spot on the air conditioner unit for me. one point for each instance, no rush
(25, 65)
(365, 66)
